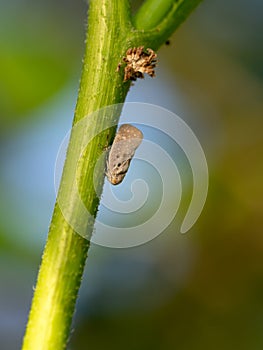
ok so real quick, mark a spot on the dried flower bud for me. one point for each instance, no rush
(139, 62)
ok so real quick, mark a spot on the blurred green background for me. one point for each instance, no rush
(201, 290)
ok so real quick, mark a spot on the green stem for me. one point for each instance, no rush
(65, 253)
(156, 20)
(152, 12)
(110, 34)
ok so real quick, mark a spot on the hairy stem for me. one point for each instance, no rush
(110, 34)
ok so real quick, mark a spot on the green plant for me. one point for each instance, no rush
(112, 30)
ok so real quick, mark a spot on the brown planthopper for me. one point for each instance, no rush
(127, 140)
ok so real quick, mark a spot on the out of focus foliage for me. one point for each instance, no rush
(41, 45)
(202, 290)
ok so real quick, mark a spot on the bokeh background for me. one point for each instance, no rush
(201, 290)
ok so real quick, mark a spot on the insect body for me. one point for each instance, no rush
(127, 140)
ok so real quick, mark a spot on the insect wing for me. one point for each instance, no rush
(127, 140)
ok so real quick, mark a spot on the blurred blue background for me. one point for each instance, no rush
(202, 290)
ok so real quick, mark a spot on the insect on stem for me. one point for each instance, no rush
(127, 140)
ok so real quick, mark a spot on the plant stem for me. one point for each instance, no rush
(110, 34)
(65, 253)
(161, 18)
(158, 10)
